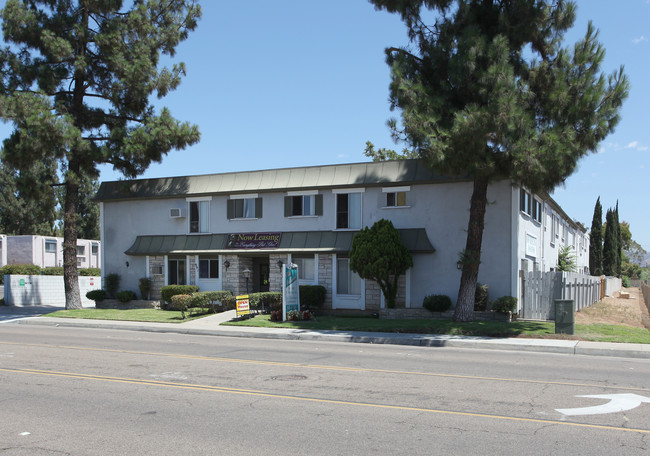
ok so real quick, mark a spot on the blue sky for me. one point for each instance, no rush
(301, 83)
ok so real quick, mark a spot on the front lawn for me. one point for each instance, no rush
(148, 315)
(533, 329)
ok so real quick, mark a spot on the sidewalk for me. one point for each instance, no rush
(210, 326)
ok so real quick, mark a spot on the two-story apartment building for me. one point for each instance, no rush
(233, 231)
(47, 251)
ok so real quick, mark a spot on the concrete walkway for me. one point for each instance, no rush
(210, 326)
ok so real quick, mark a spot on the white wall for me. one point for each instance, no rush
(25, 290)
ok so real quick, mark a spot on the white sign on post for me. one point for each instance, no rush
(290, 290)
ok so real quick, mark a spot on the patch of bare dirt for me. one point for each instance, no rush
(616, 310)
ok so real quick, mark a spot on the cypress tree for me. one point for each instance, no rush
(619, 243)
(596, 241)
(486, 90)
(610, 245)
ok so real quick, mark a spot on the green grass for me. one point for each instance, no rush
(148, 315)
(535, 329)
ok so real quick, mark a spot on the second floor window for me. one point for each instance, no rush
(244, 208)
(348, 210)
(303, 205)
(199, 216)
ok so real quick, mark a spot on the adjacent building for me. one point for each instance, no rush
(47, 251)
(233, 231)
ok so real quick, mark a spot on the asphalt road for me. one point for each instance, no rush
(97, 392)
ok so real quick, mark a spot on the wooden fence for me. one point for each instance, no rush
(539, 290)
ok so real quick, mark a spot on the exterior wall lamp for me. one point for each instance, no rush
(226, 264)
(279, 263)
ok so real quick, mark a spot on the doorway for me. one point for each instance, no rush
(261, 269)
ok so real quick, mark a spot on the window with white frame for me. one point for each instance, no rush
(348, 210)
(81, 250)
(94, 248)
(525, 202)
(208, 268)
(396, 196)
(244, 207)
(537, 210)
(347, 281)
(50, 246)
(199, 216)
(306, 265)
(303, 204)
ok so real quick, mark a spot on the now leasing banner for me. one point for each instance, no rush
(290, 290)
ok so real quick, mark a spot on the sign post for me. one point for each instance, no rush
(243, 307)
(290, 290)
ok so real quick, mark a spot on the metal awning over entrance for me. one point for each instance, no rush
(415, 240)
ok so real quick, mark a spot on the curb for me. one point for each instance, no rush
(568, 347)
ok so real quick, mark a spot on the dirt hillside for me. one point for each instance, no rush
(617, 311)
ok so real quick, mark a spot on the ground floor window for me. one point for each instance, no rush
(176, 272)
(347, 281)
(208, 268)
(306, 267)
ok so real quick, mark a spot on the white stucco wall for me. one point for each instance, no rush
(25, 290)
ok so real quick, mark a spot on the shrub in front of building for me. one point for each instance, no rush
(505, 304)
(312, 296)
(481, 301)
(214, 301)
(266, 301)
(437, 303)
(112, 284)
(180, 302)
(52, 271)
(168, 291)
(126, 296)
(96, 295)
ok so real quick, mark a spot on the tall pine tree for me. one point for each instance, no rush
(596, 241)
(485, 90)
(76, 81)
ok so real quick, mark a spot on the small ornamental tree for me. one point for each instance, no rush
(566, 259)
(378, 254)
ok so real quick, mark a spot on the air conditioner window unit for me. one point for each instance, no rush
(176, 212)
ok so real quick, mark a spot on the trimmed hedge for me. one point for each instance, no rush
(213, 300)
(96, 295)
(19, 269)
(89, 272)
(53, 271)
(126, 296)
(266, 301)
(168, 291)
(437, 303)
(505, 304)
(312, 296)
(112, 284)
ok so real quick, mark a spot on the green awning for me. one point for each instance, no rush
(415, 239)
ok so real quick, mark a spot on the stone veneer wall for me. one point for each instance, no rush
(157, 280)
(275, 273)
(373, 294)
(193, 273)
(325, 277)
(234, 279)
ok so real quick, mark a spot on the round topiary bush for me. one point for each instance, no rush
(96, 295)
(437, 303)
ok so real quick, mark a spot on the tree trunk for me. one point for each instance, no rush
(70, 276)
(471, 257)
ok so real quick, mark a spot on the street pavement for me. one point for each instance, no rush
(211, 326)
